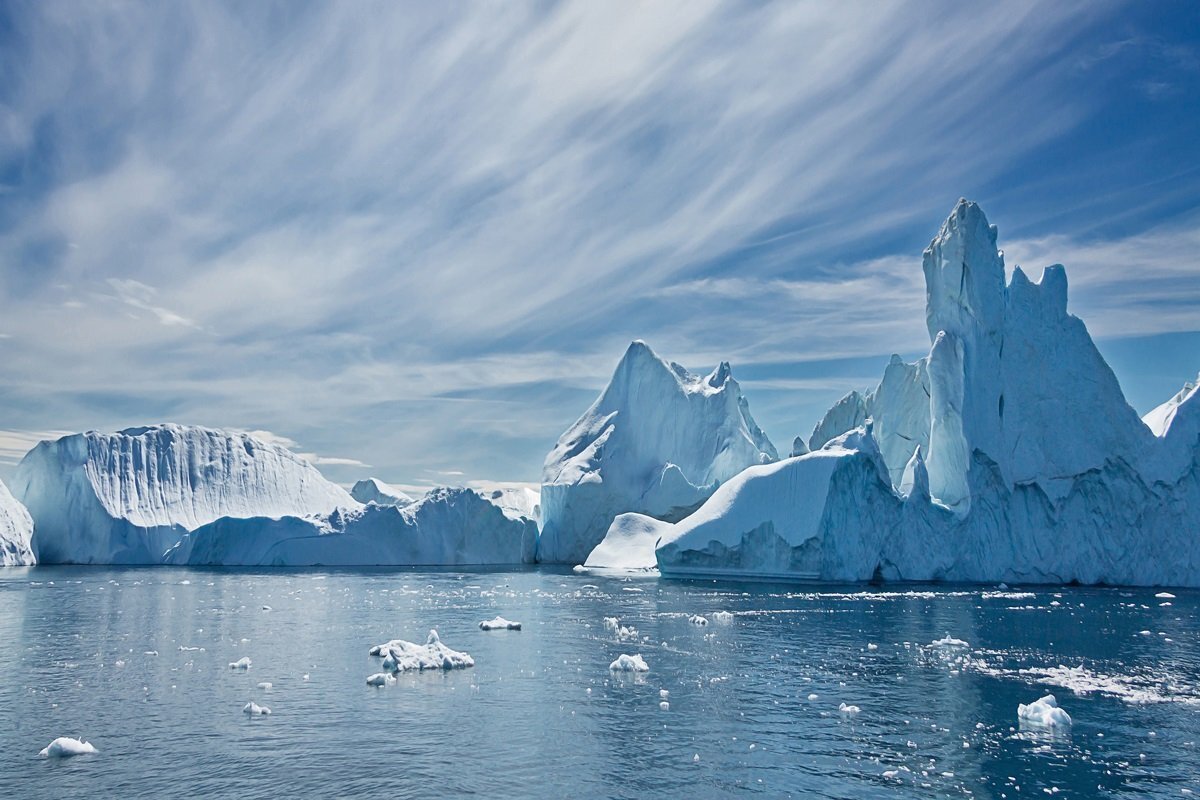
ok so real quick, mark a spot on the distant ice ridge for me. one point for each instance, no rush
(126, 497)
(657, 441)
(1008, 453)
(16, 532)
(373, 490)
(446, 527)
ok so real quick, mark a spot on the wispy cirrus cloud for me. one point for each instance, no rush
(420, 237)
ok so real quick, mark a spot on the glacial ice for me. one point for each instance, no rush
(253, 709)
(446, 527)
(1008, 453)
(402, 656)
(499, 624)
(373, 490)
(1043, 713)
(657, 441)
(65, 746)
(629, 663)
(629, 543)
(126, 497)
(16, 532)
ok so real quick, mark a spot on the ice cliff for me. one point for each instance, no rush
(446, 527)
(126, 497)
(16, 530)
(658, 441)
(1008, 453)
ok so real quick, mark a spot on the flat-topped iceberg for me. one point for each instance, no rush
(658, 441)
(16, 532)
(1008, 453)
(446, 527)
(126, 497)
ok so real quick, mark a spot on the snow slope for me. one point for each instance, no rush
(1023, 462)
(447, 527)
(16, 530)
(373, 490)
(658, 441)
(125, 497)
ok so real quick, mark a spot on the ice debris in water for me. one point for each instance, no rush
(696, 619)
(949, 643)
(628, 663)
(253, 709)
(664, 706)
(65, 746)
(380, 679)
(265, 685)
(1043, 713)
(401, 656)
(499, 624)
(722, 616)
(1165, 596)
(611, 623)
(848, 709)
(241, 663)
(872, 646)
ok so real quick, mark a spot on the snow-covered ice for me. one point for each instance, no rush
(65, 746)
(657, 441)
(1007, 453)
(126, 497)
(380, 679)
(16, 532)
(373, 490)
(629, 663)
(400, 655)
(253, 709)
(499, 624)
(1043, 713)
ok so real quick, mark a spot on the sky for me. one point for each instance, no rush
(412, 240)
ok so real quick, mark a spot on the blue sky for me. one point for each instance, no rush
(414, 239)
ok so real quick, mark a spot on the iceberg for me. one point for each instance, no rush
(1043, 713)
(1008, 453)
(373, 490)
(126, 497)
(629, 663)
(657, 441)
(629, 543)
(515, 501)
(446, 527)
(16, 532)
(403, 656)
(65, 746)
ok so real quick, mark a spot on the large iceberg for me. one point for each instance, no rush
(126, 497)
(658, 441)
(16, 531)
(447, 527)
(1008, 453)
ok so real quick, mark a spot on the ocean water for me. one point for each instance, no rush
(136, 661)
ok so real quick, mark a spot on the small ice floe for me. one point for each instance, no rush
(611, 623)
(119, 663)
(848, 710)
(380, 679)
(499, 624)
(813, 696)
(664, 693)
(627, 633)
(1165, 596)
(949, 643)
(253, 709)
(696, 619)
(664, 706)
(65, 746)
(1043, 713)
(628, 663)
(241, 663)
(265, 686)
(401, 656)
(722, 616)
(872, 646)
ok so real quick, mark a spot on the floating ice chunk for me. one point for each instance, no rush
(499, 624)
(380, 679)
(664, 693)
(696, 619)
(628, 663)
(664, 706)
(241, 663)
(1043, 713)
(253, 709)
(813, 696)
(949, 643)
(1165, 596)
(65, 746)
(611, 623)
(872, 646)
(627, 633)
(401, 656)
(848, 709)
(722, 616)
(265, 685)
